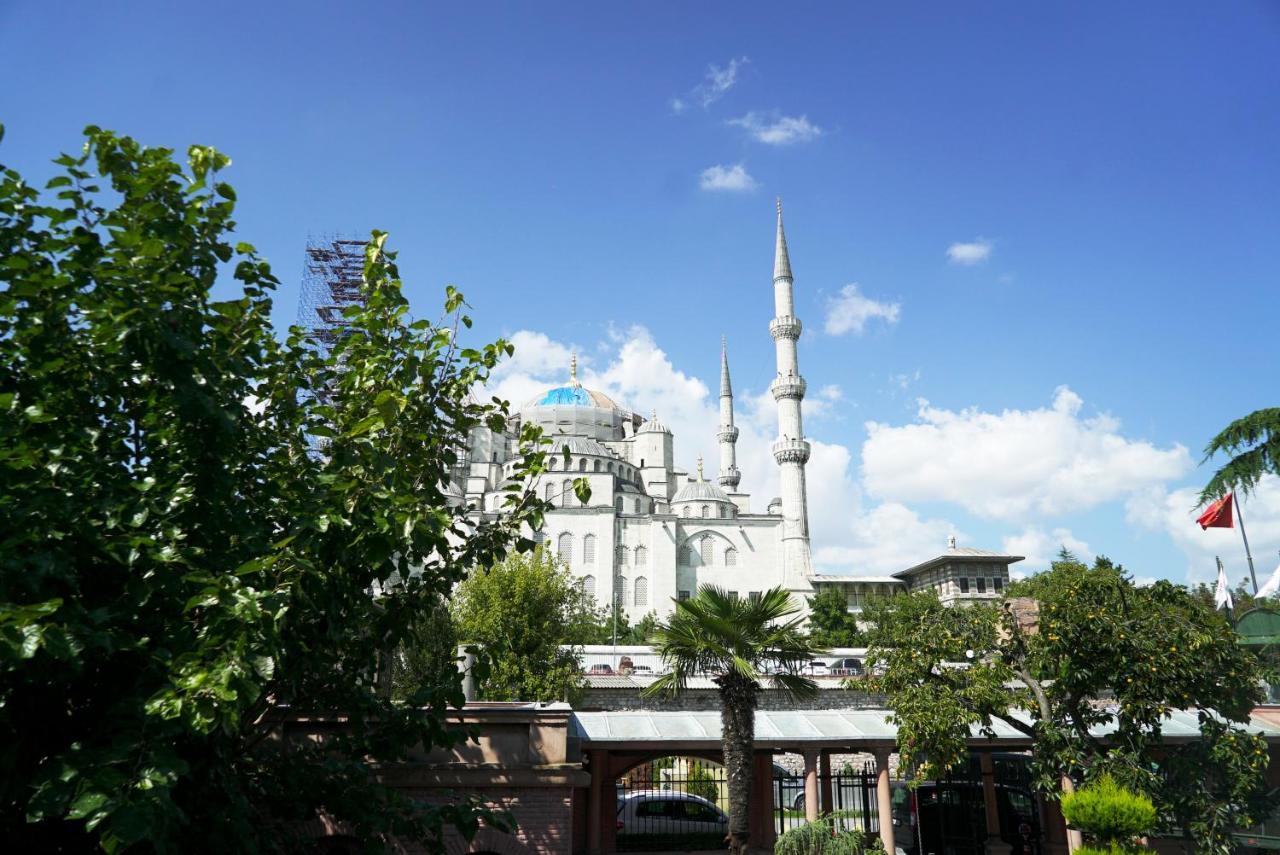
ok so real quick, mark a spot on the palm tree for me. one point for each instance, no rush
(736, 642)
(1254, 442)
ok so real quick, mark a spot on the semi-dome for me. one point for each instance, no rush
(653, 425)
(579, 445)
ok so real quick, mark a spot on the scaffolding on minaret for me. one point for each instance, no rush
(331, 284)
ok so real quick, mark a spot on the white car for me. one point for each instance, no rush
(669, 812)
(818, 669)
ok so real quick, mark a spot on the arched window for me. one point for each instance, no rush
(704, 550)
(724, 512)
(551, 460)
(621, 592)
(549, 491)
(589, 549)
(637, 506)
(566, 492)
(642, 556)
(564, 546)
(617, 504)
(623, 555)
(686, 556)
(706, 512)
(582, 464)
(589, 587)
(731, 557)
(642, 591)
(597, 467)
(685, 512)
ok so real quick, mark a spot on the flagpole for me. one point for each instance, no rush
(1245, 537)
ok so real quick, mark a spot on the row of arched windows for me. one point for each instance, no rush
(705, 554)
(638, 595)
(564, 547)
(583, 465)
(704, 512)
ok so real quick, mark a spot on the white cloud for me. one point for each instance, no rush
(729, 178)
(778, 130)
(1174, 512)
(714, 85)
(1016, 463)
(1039, 548)
(884, 539)
(968, 254)
(850, 310)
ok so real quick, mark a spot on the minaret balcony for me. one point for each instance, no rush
(791, 451)
(788, 386)
(787, 326)
(728, 433)
(730, 478)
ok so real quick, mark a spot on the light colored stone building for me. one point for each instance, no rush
(651, 532)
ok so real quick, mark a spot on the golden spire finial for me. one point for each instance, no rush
(699, 467)
(573, 369)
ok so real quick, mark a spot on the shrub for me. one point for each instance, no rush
(1109, 814)
(703, 783)
(824, 837)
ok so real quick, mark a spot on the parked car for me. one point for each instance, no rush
(669, 812)
(601, 669)
(817, 669)
(951, 818)
(849, 667)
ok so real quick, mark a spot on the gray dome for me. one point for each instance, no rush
(701, 491)
(652, 425)
(579, 445)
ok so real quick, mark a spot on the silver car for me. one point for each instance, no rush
(669, 812)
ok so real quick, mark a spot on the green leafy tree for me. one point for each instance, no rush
(525, 614)
(1254, 445)
(830, 623)
(737, 642)
(175, 562)
(1102, 652)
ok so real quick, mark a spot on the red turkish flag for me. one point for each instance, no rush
(1218, 515)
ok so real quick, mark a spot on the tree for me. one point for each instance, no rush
(736, 642)
(830, 623)
(178, 569)
(525, 614)
(1254, 443)
(1110, 815)
(1100, 652)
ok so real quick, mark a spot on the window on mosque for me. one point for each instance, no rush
(621, 592)
(566, 492)
(704, 550)
(997, 584)
(622, 555)
(683, 595)
(642, 591)
(733, 595)
(582, 465)
(731, 557)
(685, 512)
(982, 585)
(724, 512)
(549, 492)
(642, 556)
(597, 466)
(564, 546)
(637, 506)
(551, 462)
(589, 549)
(618, 505)
(754, 596)
(964, 584)
(706, 512)
(589, 586)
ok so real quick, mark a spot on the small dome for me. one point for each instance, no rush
(653, 425)
(701, 491)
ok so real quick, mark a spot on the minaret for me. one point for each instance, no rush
(728, 433)
(791, 451)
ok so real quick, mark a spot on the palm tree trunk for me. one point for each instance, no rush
(738, 736)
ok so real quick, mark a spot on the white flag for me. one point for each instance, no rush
(1272, 585)
(1222, 596)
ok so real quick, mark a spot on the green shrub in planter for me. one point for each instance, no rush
(1111, 816)
(825, 837)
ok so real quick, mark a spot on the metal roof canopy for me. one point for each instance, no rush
(862, 728)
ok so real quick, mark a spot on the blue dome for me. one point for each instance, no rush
(573, 396)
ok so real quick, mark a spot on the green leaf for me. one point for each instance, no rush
(582, 489)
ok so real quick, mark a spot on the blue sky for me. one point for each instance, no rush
(1107, 174)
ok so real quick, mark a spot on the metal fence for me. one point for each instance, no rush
(853, 799)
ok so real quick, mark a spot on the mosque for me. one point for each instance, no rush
(650, 533)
